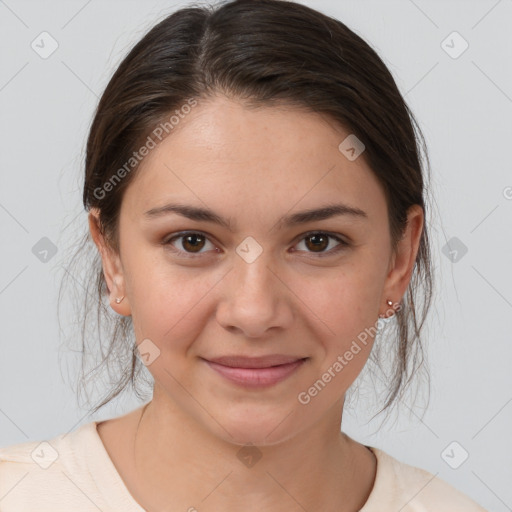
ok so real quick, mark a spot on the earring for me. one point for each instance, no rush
(390, 303)
(118, 301)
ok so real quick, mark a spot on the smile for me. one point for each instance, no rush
(256, 376)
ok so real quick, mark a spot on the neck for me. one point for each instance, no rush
(177, 461)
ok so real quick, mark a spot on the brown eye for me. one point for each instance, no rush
(191, 243)
(318, 242)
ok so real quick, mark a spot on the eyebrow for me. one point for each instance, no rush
(204, 214)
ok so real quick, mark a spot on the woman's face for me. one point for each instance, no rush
(261, 282)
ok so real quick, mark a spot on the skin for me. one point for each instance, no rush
(251, 166)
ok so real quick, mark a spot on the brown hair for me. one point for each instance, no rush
(265, 52)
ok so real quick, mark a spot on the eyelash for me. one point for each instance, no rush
(342, 243)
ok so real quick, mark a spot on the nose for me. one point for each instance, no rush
(254, 298)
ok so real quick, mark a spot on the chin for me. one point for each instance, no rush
(255, 428)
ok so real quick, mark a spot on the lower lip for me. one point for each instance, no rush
(257, 377)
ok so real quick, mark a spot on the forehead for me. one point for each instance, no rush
(239, 159)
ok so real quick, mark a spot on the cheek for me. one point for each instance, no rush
(168, 303)
(346, 306)
(344, 300)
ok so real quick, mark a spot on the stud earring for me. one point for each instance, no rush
(390, 303)
(119, 300)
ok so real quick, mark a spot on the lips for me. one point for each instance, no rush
(255, 372)
(255, 362)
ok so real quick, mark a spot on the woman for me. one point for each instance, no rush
(255, 192)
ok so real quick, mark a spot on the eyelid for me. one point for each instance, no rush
(337, 236)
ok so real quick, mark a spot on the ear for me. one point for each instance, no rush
(403, 260)
(112, 268)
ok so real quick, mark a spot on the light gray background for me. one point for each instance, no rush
(464, 106)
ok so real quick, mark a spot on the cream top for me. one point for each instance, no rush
(74, 472)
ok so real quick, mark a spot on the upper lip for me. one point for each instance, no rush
(255, 362)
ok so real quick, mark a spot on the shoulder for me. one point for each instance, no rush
(411, 489)
(34, 473)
